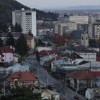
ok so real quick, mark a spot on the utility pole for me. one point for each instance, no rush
(47, 79)
(4, 88)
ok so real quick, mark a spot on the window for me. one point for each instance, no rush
(2, 55)
(28, 13)
(2, 59)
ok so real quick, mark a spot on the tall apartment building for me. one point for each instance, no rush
(27, 20)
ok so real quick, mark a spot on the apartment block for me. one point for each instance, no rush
(27, 20)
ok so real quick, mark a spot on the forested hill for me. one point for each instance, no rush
(7, 6)
(46, 15)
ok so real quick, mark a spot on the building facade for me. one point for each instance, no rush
(27, 20)
(96, 30)
(79, 19)
(6, 55)
(21, 79)
(85, 39)
(64, 27)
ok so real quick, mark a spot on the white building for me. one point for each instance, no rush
(88, 56)
(85, 39)
(6, 55)
(27, 20)
(96, 30)
(79, 19)
(64, 27)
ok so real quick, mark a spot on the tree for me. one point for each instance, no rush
(17, 28)
(22, 93)
(40, 43)
(58, 39)
(1, 43)
(21, 46)
(30, 33)
(10, 41)
(37, 55)
(12, 28)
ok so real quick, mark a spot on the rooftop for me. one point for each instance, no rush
(22, 76)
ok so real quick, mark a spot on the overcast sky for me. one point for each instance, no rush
(50, 4)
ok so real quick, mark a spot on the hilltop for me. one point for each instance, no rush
(7, 6)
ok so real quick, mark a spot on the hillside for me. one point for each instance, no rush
(7, 6)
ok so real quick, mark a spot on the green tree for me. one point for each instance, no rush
(10, 41)
(17, 28)
(21, 46)
(1, 43)
(12, 28)
(22, 93)
(37, 55)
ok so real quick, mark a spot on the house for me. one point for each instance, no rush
(86, 53)
(92, 94)
(43, 48)
(80, 80)
(64, 27)
(85, 39)
(49, 94)
(30, 41)
(22, 78)
(47, 58)
(6, 55)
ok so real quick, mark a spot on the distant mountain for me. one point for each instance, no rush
(84, 8)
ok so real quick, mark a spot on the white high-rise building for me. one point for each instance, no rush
(27, 20)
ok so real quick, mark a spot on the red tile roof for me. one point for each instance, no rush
(95, 73)
(58, 39)
(5, 50)
(22, 76)
(80, 75)
(45, 52)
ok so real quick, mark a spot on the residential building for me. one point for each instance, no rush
(43, 48)
(27, 20)
(79, 19)
(48, 94)
(80, 80)
(96, 30)
(30, 41)
(64, 27)
(85, 39)
(6, 55)
(92, 94)
(21, 78)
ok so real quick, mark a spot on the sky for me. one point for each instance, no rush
(58, 4)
